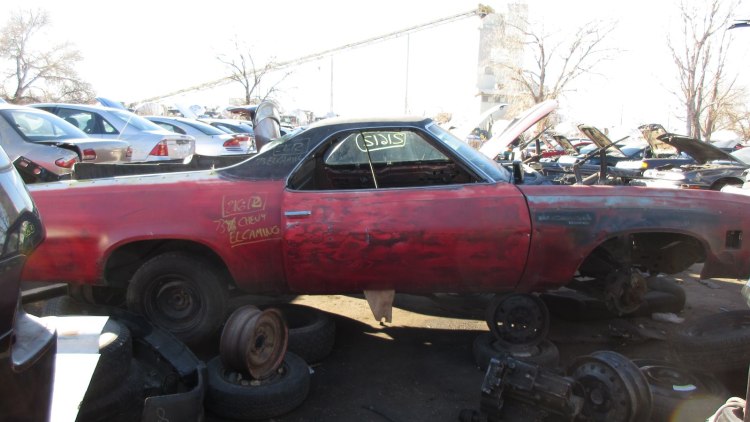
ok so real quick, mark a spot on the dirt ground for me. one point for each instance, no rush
(420, 366)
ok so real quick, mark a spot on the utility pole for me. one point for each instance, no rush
(406, 87)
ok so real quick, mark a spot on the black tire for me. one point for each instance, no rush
(121, 403)
(678, 391)
(180, 293)
(269, 398)
(312, 332)
(715, 343)
(486, 347)
(663, 296)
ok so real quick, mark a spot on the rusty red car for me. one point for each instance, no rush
(376, 205)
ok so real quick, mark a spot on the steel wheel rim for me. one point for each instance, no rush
(173, 303)
(254, 342)
(518, 320)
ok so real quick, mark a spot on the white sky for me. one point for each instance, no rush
(142, 49)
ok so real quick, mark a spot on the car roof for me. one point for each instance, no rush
(87, 107)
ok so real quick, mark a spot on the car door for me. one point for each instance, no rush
(389, 210)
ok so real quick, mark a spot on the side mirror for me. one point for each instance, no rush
(517, 173)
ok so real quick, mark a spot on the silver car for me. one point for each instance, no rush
(209, 140)
(149, 141)
(52, 143)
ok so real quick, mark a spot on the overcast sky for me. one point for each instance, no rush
(143, 49)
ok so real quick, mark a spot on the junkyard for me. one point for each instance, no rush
(486, 222)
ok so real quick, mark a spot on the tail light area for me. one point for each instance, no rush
(89, 154)
(160, 149)
(236, 141)
(66, 163)
(129, 153)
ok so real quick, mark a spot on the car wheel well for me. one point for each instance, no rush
(125, 261)
(659, 252)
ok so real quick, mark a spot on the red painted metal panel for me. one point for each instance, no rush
(430, 239)
(239, 220)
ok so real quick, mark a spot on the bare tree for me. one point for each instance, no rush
(559, 61)
(39, 75)
(245, 71)
(706, 90)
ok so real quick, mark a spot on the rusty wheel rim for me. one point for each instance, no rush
(264, 341)
(229, 345)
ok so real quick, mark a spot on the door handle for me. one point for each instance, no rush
(297, 214)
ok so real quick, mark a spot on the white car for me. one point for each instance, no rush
(44, 144)
(149, 141)
(209, 140)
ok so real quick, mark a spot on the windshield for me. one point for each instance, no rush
(40, 126)
(479, 160)
(134, 120)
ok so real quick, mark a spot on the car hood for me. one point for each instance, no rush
(601, 140)
(498, 143)
(651, 133)
(564, 142)
(702, 152)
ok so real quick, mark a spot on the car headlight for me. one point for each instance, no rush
(631, 165)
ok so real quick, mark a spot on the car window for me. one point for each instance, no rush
(204, 128)
(379, 159)
(40, 126)
(392, 147)
(170, 127)
(130, 119)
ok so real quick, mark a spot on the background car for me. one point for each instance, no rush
(27, 345)
(52, 143)
(209, 140)
(713, 168)
(149, 141)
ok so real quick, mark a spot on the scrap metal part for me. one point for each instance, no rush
(516, 390)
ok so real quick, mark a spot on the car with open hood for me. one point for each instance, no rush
(661, 154)
(712, 170)
(45, 144)
(148, 141)
(376, 206)
(595, 160)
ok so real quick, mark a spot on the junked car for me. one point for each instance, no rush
(373, 205)
(713, 168)
(661, 154)
(27, 344)
(209, 140)
(594, 161)
(149, 141)
(48, 142)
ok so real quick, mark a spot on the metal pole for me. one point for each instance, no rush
(406, 87)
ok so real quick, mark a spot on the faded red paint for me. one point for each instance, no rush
(461, 238)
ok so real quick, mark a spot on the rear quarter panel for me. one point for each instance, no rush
(87, 221)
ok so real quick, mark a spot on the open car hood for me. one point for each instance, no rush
(702, 152)
(651, 133)
(565, 143)
(600, 140)
(498, 143)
